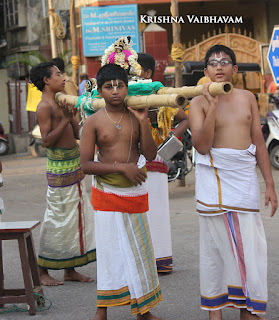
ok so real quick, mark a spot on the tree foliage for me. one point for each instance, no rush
(30, 58)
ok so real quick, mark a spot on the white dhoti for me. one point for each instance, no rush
(233, 263)
(233, 257)
(226, 180)
(126, 268)
(159, 214)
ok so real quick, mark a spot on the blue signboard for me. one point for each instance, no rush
(273, 55)
(101, 26)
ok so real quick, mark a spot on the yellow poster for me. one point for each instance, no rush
(33, 98)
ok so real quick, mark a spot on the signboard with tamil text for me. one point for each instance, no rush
(101, 26)
(273, 55)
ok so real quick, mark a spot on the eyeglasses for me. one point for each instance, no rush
(223, 63)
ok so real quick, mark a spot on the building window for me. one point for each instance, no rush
(11, 12)
(45, 35)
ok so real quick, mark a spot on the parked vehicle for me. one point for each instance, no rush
(4, 143)
(182, 163)
(36, 143)
(274, 100)
(270, 130)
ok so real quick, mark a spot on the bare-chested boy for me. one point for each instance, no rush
(126, 268)
(66, 239)
(227, 134)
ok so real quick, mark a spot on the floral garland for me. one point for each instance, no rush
(136, 80)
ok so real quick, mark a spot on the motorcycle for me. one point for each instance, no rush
(4, 143)
(36, 143)
(270, 130)
(183, 161)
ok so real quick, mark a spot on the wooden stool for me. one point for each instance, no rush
(21, 231)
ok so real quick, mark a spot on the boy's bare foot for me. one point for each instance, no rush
(147, 316)
(72, 275)
(47, 280)
(247, 315)
(215, 315)
(101, 314)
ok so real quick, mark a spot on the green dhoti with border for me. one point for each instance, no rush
(67, 236)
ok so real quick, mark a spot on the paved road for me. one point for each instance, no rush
(24, 196)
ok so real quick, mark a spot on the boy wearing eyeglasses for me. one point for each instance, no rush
(226, 133)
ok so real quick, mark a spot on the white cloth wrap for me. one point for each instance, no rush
(227, 181)
(121, 260)
(233, 259)
(159, 215)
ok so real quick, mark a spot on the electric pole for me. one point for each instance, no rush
(176, 42)
(177, 64)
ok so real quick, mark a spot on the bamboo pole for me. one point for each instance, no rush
(171, 97)
(71, 100)
(215, 88)
(154, 100)
(135, 102)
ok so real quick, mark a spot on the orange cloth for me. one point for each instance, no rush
(272, 87)
(103, 201)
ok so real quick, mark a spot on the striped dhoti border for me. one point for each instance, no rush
(126, 269)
